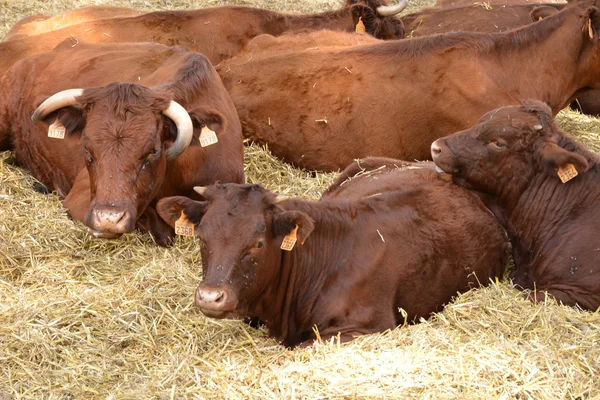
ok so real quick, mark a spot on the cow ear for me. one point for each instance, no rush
(72, 118)
(555, 157)
(542, 12)
(286, 221)
(170, 208)
(593, 22)
(367, 16)
(214, 120)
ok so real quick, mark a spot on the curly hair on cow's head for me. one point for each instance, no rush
(541, 110)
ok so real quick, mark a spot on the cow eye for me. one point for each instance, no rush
(88, 156)
(258, 244)
(155, 152)
(145, 163)
(498, 144)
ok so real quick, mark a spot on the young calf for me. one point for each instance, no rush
(412, 241)
(520, 158)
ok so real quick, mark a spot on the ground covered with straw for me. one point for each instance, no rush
(84, 319)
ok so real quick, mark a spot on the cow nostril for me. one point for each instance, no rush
(436, 150)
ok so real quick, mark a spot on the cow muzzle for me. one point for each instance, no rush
(110, 222)
(214, 302)
(438, 155)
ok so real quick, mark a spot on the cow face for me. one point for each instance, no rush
(505, 149)
(379, 19)
(125, 140)
(241, 227)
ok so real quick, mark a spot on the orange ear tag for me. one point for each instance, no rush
(207, 137)
(360, 27)
(183, 226)
(56, 130)
(567, 173)
(289, 240)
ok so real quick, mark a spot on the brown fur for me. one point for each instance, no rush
(113, 156)
(513, 154)
(382, 241)
(322, 108)
(216, 32)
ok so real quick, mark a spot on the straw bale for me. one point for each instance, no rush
(91, 319)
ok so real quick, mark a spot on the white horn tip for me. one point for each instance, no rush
(200, 189)
(280, 198)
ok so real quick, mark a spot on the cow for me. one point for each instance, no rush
(322, 108)
(545, 187)
(133, 119)
(396, 238)
(216, 32)
(40, 23)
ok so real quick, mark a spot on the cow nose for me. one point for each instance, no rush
(210, 299)
(436, 150)
(111, 219)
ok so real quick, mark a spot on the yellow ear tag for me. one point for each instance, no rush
(56, 130)
(289, 240)
(567, 173)
(207, 137)
(183, 226)
(360, 27)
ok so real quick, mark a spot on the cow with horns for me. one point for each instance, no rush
(144, 121)
(390, 243)
(216, 32)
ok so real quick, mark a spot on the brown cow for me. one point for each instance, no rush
(217, 32)
(410, 240)
(128, 127)
(515, 155)
(40, 23)
(322, 108)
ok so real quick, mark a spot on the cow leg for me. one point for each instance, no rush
(586, 301)
(150, 221)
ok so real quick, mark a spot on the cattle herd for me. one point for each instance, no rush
(137, 121)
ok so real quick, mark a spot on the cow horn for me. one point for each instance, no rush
(280, 198)
(185, 129)
(200, 190)
(386, 11)
(56, 101)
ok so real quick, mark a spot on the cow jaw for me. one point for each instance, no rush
(103, 235)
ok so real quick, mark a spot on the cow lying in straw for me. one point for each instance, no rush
(322, 108)
(120, 126)
(547, 188)
(386, 239)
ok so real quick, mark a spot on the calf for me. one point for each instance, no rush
(386, 239)
(519, 157)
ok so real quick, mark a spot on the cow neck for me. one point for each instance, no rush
(291, 302)
(545, 60)
(544, 209)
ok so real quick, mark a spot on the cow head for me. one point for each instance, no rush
(379, 18)
(507, 147)
(241, 227)
(127, 132)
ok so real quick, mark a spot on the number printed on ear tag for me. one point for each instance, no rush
(56, 130)
(207, 137)
(289, 240)
(567, 173)
(183, 226)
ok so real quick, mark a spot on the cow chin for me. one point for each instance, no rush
(103, 235)
(219, 314)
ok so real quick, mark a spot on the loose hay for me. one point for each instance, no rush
(83, 318)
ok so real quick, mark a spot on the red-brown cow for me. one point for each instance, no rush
(519, 157)
(126, 143)
(39, 23)
(322, 108)
(217, 32)
(412, 240)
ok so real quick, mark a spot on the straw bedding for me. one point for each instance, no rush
(82, 318)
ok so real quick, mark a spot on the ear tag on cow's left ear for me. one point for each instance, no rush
(289, 240)
(567, 173)
(360, 27)
(183, 226)
(207, 137)
(56, 130)
(590, 29)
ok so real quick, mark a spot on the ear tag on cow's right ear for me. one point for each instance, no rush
(289, 240)
(207, 137)
(360, 27)
(56, 130)
(567, 173)
(183, 226)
